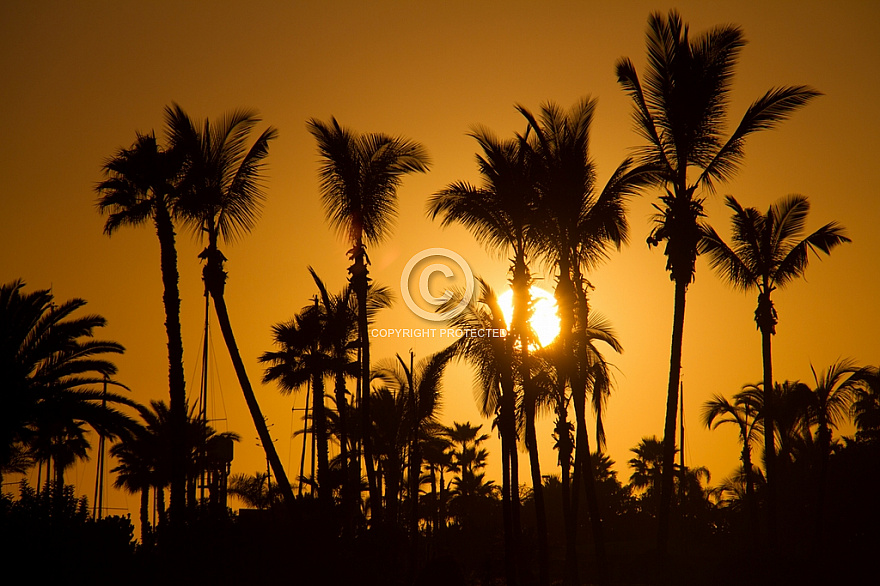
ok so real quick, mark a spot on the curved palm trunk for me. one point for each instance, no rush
(565, 450)
(667, 484)
(583, 453)
(176, 380)
(215, 280)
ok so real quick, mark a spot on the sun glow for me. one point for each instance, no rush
(544, 320)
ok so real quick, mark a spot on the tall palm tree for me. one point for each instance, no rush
(768, 252)
(359, 176)
(575, 228)
(680, 112)
(140, 188)
(220, 197)
(499, 212)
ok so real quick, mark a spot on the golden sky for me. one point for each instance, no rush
(78, 79)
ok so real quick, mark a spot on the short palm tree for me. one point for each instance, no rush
(768, 252)
(831, 401)
(497, 395)
(303, 359)
(746, 415)
(680, 111)
(420, 386)
(220, 196)
(360, 175)
(140, 188)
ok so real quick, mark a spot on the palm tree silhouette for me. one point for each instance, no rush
(303, 359)
(768, 252)
(51, 366)
(360, 175)
(745, 413)
(831, 401)
(680, 112)
(220, 197)
(420, 386)
(499, 213)
(495, 388)
(141, 187)
(575, 228)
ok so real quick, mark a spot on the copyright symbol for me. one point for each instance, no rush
(449, 257)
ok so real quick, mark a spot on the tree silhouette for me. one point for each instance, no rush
(50, 367)
(359, 176)
(220, 197)
(768, 252)
(141, 186)
(680, 112)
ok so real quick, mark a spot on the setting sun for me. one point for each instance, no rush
(544, 320)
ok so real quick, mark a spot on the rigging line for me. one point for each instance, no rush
(217, 388)
(197, 370)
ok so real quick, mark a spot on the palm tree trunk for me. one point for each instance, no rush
(215, 279)
(360, 284)
(145, 515)
(538, 491)
(584, 456)
(565, 449)
(348, 498)
(176, 380)
(667, 485)
(319, 428)
(769, 434)
(510, 486)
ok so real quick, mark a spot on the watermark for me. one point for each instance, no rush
(447, 258)
(450, 333)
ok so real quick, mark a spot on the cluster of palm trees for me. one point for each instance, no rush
(56, 378)
(396, 471)
(805, 416)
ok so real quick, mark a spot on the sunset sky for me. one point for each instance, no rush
(79, 79)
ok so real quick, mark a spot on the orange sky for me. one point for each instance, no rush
(80, 79)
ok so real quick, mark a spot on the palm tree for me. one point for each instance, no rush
(647, 466)
(768, 252)
(831, 401)
(680, 112)
(746, 415)
(499, 213)
(420, 386)
(493, 361)
(50, 366)
(866, 404)
(303, 360)
(220, 197)
(575, 227)
(360, 175)
(141, 187)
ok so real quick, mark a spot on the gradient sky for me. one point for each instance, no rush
(80, 78)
